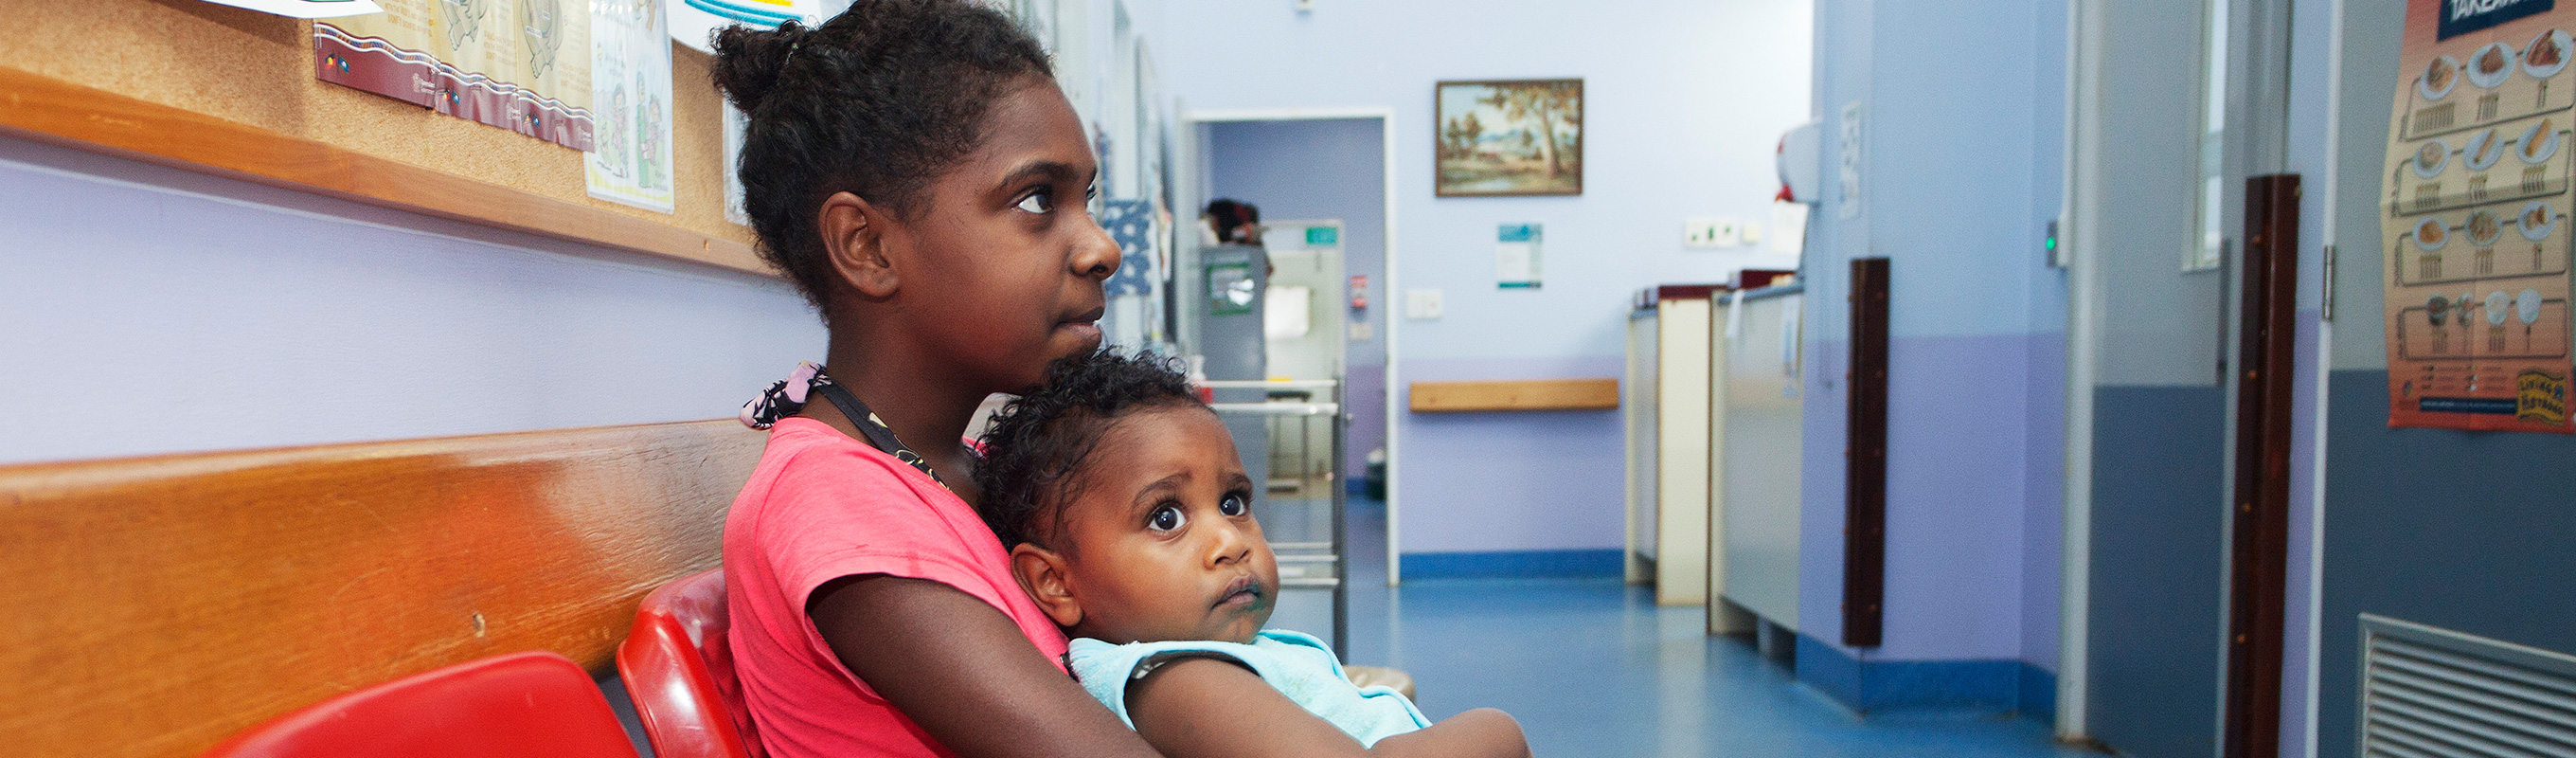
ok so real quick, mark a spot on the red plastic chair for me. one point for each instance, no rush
(522, 705)
(679, 669)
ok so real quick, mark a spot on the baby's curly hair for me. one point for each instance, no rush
(1040, 439)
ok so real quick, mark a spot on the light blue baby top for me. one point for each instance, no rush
(1300, 666)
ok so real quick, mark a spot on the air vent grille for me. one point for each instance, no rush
(2435, 693)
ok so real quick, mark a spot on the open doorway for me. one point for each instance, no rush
(1321, 179)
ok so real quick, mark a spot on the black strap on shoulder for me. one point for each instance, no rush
(871, 430)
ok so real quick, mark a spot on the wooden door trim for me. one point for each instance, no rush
(2259, 540)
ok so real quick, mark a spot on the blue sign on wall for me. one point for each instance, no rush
(2460, 17)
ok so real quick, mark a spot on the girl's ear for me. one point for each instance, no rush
(1042, 574)
(854, 237)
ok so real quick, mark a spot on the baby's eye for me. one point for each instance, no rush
(1166, 518)
(1232, 505)
(1041, 201)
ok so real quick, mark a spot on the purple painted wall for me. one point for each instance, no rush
(1974, 482)
(1542, 480)
(2297, 623)
(1977, 355)
(2043, 499)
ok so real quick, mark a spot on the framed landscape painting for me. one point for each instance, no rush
(1515, 137)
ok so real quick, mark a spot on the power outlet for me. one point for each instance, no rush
(1422, 304)
(1712, 232)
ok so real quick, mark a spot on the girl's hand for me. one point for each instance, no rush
(1213, 708)
(959, 668)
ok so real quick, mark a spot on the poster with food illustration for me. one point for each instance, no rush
(630, 75)
(2476, 231)
(521, 65)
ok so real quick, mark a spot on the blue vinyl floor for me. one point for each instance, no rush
(1591, 667)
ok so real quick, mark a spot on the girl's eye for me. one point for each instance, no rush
(1165, 519)
(1041, 201)
(1232, 505)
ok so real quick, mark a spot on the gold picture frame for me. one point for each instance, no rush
(1507, 137)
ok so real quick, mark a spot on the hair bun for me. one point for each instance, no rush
(749, 61)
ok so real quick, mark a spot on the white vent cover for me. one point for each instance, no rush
(2436, 693)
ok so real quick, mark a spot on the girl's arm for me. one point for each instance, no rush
(1212, 708)
(963, 671)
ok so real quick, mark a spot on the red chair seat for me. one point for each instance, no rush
(522, 705)
(678, 667)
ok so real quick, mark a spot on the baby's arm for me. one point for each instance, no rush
(1213, 708)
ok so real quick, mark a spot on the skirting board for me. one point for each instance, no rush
(1873, 686)
(1602, 563)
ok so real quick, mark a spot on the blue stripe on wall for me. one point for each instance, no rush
(1513, 564)
(1868, 686)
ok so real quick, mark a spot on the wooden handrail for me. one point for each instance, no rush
(1515, 395)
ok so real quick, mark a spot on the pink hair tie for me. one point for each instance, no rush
(784, 398)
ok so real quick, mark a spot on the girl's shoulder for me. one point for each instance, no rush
(815, 483)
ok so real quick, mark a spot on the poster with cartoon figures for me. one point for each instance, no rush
(630, 89)
(521, 65)
(2476, 230)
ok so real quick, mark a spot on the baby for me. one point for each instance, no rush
(1129, 518)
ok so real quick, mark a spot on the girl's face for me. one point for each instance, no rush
(1004, 263)
(1161, 543)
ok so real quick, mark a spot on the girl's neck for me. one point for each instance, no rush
(927, 414)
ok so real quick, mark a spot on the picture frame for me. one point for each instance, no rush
(1507, 137)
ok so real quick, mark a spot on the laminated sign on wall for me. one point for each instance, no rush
(631, 93)
(1516, 256)
(2477, 227)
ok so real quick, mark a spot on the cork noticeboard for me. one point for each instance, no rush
(232, 92)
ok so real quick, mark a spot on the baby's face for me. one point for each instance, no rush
(1162, 544)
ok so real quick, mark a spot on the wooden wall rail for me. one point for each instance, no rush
(1516, 395)
(157, 605)
(231, 92)
(53, 111)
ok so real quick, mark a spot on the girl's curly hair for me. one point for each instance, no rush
(875, 102)
(1039, 440)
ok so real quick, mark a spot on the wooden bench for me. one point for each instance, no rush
(153, 606)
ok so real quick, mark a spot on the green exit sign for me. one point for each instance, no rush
(1317, 236)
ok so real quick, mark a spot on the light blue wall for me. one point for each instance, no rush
(1962, 106)
(1685, 103)
(152, 310)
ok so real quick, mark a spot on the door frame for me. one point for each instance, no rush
(1193, 181)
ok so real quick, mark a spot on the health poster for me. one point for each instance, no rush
(521, 65)
(2477, 226)
(630, 90)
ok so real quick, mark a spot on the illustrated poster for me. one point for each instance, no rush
(522, 65)
(630, 91)
(2476, 228)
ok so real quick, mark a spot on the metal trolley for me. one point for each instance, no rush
(1291, 410)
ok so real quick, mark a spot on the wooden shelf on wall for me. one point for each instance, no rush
(231, 92)
(48, 110)
(1516, 395)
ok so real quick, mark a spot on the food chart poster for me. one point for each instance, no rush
(2476, 225)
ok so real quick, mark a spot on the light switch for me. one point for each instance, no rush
(1422, 304)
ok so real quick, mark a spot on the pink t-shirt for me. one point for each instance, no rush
(822, 506)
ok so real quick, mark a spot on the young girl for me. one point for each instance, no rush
(912, 167)
(1131, 523)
